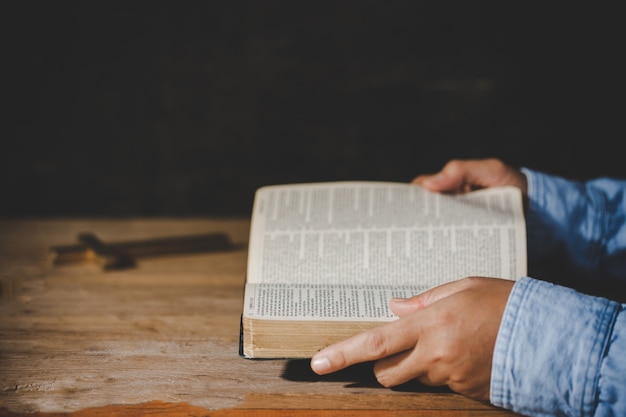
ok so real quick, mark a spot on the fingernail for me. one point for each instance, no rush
(320, 365)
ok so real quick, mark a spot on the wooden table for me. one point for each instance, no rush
(160, 338)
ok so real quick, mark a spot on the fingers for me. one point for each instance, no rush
(440, 182)
(402, 307)
(458, 176)
(407, 366)
(390, 369)
(373, 344)
(397, 369)
(465, 175)
(438, 345)
(385, 340)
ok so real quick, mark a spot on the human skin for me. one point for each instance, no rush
(459, 176)
(446, 335)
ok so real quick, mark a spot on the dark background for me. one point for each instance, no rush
(185, 108)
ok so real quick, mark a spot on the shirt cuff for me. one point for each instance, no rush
(549, 349)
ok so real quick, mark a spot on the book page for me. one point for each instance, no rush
(384, 234)
(323, 302)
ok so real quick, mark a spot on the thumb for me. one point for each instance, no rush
(402, 307)
(438, 182)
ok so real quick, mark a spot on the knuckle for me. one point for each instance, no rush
(384, 380)
(340, 360)
(442, 355)
(469, 282)
(453, 166)
(496, 163)
(376, 345)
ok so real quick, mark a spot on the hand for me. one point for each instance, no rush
(461, 176)
(445, 336)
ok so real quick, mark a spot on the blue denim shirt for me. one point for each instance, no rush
(561, 348)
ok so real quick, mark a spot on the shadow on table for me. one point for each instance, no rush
(356, 376)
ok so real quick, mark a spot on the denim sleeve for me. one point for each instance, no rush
(560, 352)
(576, 232)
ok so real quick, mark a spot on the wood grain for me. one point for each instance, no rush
(161, 338)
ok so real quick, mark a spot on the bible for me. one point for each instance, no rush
(325, 258)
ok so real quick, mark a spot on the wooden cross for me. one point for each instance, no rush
(121, 255)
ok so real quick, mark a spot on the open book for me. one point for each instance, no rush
(325, 258)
